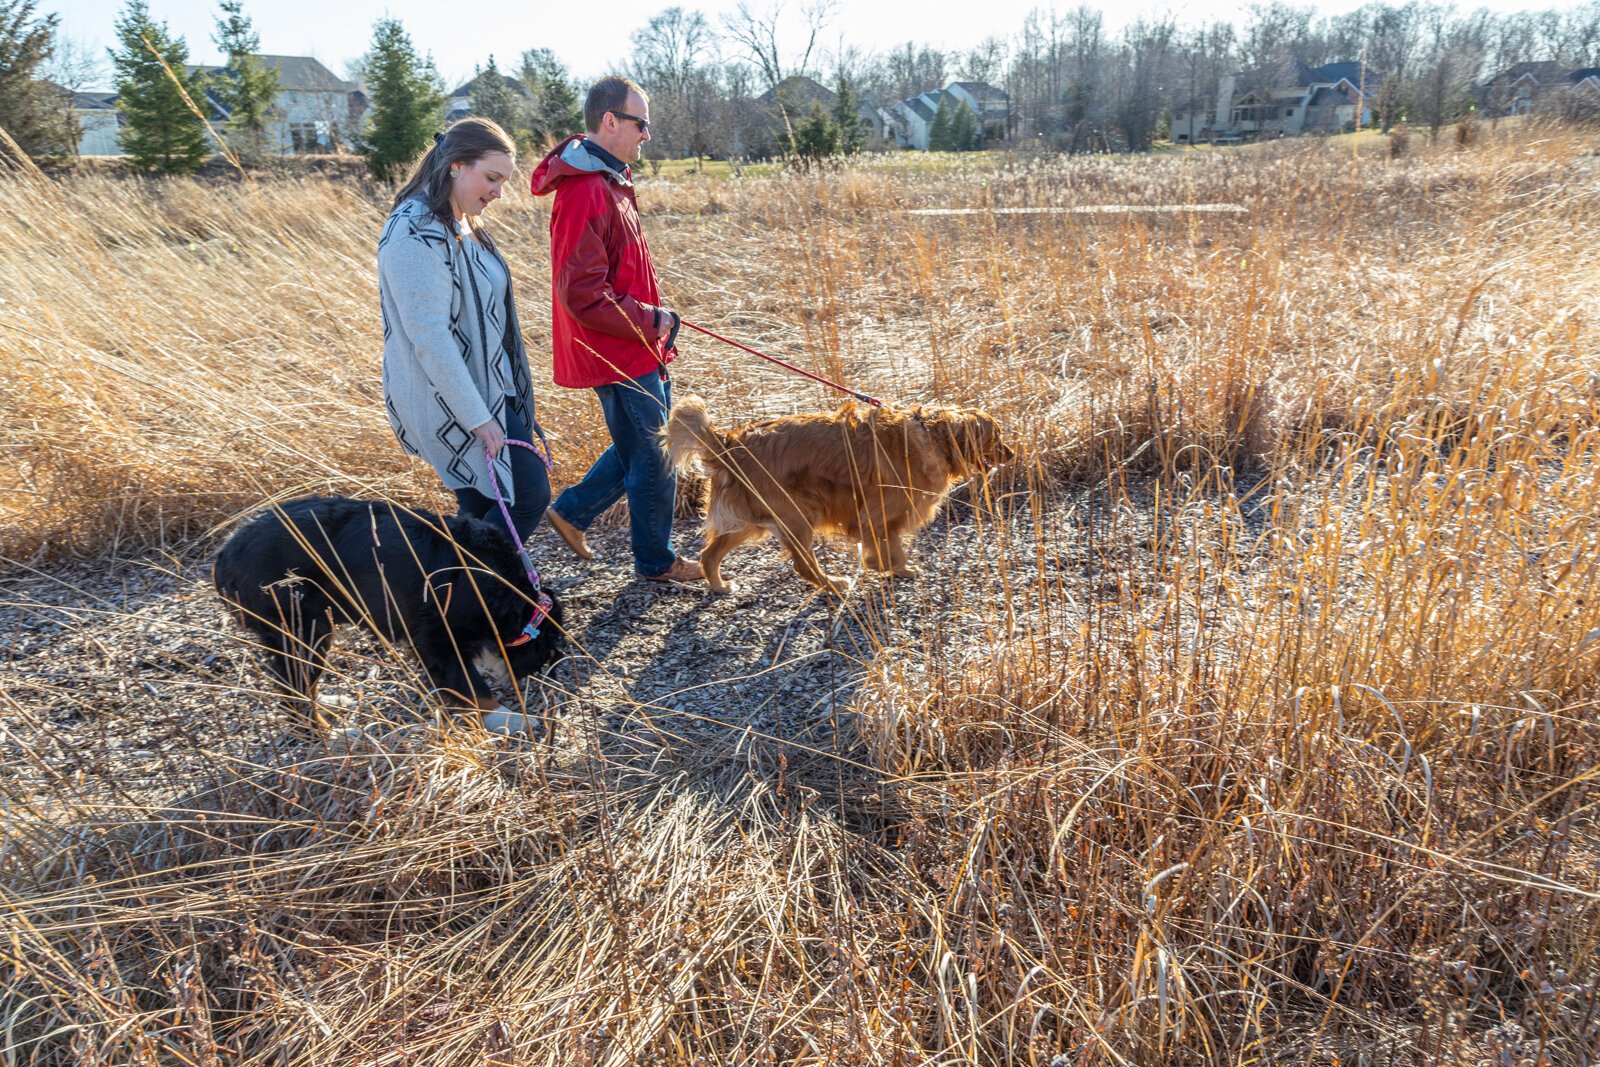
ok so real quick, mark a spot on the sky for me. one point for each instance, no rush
(594, 40)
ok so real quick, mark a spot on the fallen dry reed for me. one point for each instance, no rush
(1261, 726)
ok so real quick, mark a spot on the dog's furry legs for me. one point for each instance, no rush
(717, 547)
(797, 534)
(296, 662)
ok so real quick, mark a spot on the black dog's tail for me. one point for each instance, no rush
(689, 436)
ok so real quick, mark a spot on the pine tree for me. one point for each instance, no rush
(163, 133)
(847, 116)
(25, 44)
(407, 101)
(939, 139)
(553, 112)
(27, 111)
(493, 98)
(816, 137)
(963, 129)
(247, 88)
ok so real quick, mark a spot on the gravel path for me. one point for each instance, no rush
(120, 681)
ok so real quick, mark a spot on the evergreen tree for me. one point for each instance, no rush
(553, 112)
(27, 111)
(163, 133)
(939, 139)
(407, 101)
(247, 88)
(847, 116)
(816, 137)
(964, 136)
(493, 98)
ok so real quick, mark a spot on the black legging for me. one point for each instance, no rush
(529, 480)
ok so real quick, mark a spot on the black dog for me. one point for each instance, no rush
(453, 589)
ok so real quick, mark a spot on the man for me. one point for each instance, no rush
(611, 333)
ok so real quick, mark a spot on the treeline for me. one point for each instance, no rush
(715, 86)
(1073, 85)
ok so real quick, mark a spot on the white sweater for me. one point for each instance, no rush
(447, 348)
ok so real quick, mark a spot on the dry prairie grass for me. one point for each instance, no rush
(1299, 768)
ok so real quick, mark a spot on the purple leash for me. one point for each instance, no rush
(541, 607)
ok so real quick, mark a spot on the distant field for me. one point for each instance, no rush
(1251, 718)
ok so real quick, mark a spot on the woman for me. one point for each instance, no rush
(455, 372)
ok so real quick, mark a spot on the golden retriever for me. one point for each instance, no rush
(875, 475)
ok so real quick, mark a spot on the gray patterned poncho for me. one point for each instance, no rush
(443, 336)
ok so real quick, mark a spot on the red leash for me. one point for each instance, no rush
(863, 397)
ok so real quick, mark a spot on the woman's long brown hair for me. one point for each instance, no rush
(465, 141)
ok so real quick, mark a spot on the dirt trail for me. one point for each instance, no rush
(125, 679)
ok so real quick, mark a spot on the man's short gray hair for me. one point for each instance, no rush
(608, 94)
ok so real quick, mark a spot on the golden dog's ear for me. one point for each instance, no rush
(989, 443)
(947, 431)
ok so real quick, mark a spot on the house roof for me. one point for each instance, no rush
(1541, 71)
(982, 91)
(799, 90)
(1583, 74)
(1358, 74)
(919, 107)
(1297, 74)
(94, 101)
(295, 74)
(305, 74)
(1329, 96)
(511, 83)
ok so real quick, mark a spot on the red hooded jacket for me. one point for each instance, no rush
(603, 285)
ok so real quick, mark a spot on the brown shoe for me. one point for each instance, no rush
(682, 570)
(570, 534)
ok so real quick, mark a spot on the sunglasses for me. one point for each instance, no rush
(644, 124)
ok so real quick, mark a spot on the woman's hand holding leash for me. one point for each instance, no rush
(492, 436)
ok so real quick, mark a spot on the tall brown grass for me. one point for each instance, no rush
(1264, 730)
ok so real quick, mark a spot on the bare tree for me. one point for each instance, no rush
(1448, 59)
(911, 70)
(1275, 34)
(985, 63)
(1393, 36)
(756, 34)
(1145, 84)
(669, 57)
(1203, 59)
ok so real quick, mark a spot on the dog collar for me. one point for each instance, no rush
(541, 611)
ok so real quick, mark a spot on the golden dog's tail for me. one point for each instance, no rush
(689, 435)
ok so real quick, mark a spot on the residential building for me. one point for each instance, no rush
(460, 103)
(1525, 88)
(1285, 100)
(316, 110)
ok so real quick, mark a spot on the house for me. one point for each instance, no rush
(1524, 88)
(916, 119)
(316, 110)
(913, 118)
(98, 122)
(883, 126)
(1518, 89)
(460, 103)
(793, 98)
(1285, 100)
(96, 116)
(1191, 122)
(989, 105)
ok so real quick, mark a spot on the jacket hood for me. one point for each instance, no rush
(570, 159)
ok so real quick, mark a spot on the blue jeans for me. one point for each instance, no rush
(530, 483)
(635, 464)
